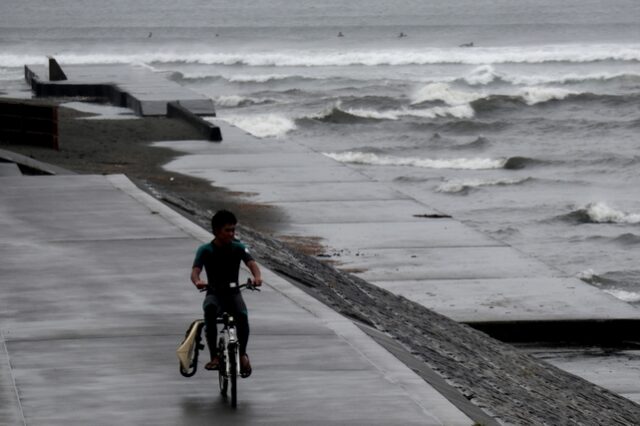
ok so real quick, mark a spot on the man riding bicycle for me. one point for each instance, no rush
(221, 260)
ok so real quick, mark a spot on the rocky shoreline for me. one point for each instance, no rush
(508, 385)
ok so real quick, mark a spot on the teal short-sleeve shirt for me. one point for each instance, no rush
(222, 264)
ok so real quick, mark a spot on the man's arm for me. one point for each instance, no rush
(195, 278)
(255, 271)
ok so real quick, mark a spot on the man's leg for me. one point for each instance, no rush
(242, 324)
(239, 310)
(210, 307)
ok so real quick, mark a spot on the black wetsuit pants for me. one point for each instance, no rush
(233, 304)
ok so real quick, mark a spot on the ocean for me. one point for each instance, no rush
(519, 118)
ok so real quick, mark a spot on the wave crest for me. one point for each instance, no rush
(232, 101)
(465, 186)
(262, 125)
(537, 95)
(620, 284)
(445, 93)
(356, 157)
(517, 163)
(600, 212)
(338, 57)
(339, 114)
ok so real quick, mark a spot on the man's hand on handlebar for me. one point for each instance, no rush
(255, 282)
(201, 285)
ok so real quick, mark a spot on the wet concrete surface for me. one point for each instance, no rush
(389, 238)
(96, 299)
(617, 370)
(386, 237)
(9, 169)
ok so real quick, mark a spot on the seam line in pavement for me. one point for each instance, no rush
(136, 336)
(92, 240)
(428, 247)
(122, 183)
(364, 200)
(13, 378)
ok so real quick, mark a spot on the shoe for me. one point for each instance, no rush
(245, 366)
(213, 364)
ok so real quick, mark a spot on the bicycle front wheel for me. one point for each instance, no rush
(223, 381)
(233, 374)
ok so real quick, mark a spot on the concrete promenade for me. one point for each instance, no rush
(96, 298)
(393, 240)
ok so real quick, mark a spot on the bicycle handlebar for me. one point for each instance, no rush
(248, 285)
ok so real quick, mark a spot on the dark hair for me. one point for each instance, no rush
(222, 218)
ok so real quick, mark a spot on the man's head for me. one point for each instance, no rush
(223, 225)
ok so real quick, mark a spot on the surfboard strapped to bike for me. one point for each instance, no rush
(190, 348)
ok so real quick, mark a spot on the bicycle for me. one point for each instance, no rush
(228, 352)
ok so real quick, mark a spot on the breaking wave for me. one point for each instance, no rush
(537, 95)
(231, 101)
(340, 57)
(339, 114)
(445, 93)
(540, 95)
(601, 213)
(465, 186)
(262, 125)
(487, 74)
(485, 101)
(622, 285)
(517, 163)
(624, 295)
(356, 157)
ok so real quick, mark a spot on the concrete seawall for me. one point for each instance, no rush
(136, 88)
(402, 245)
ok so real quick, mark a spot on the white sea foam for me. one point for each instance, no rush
(443, 92)
(457, 186)
(341, 57)
(482, 75)
(626, 296)
(459, 111)
(536, 95)
(378, 115)
(232, 101)
(261, 78)
(602, 213)
(587, 275)
(563, 78)
(356, 157)
(479, 56)
(262, 125)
